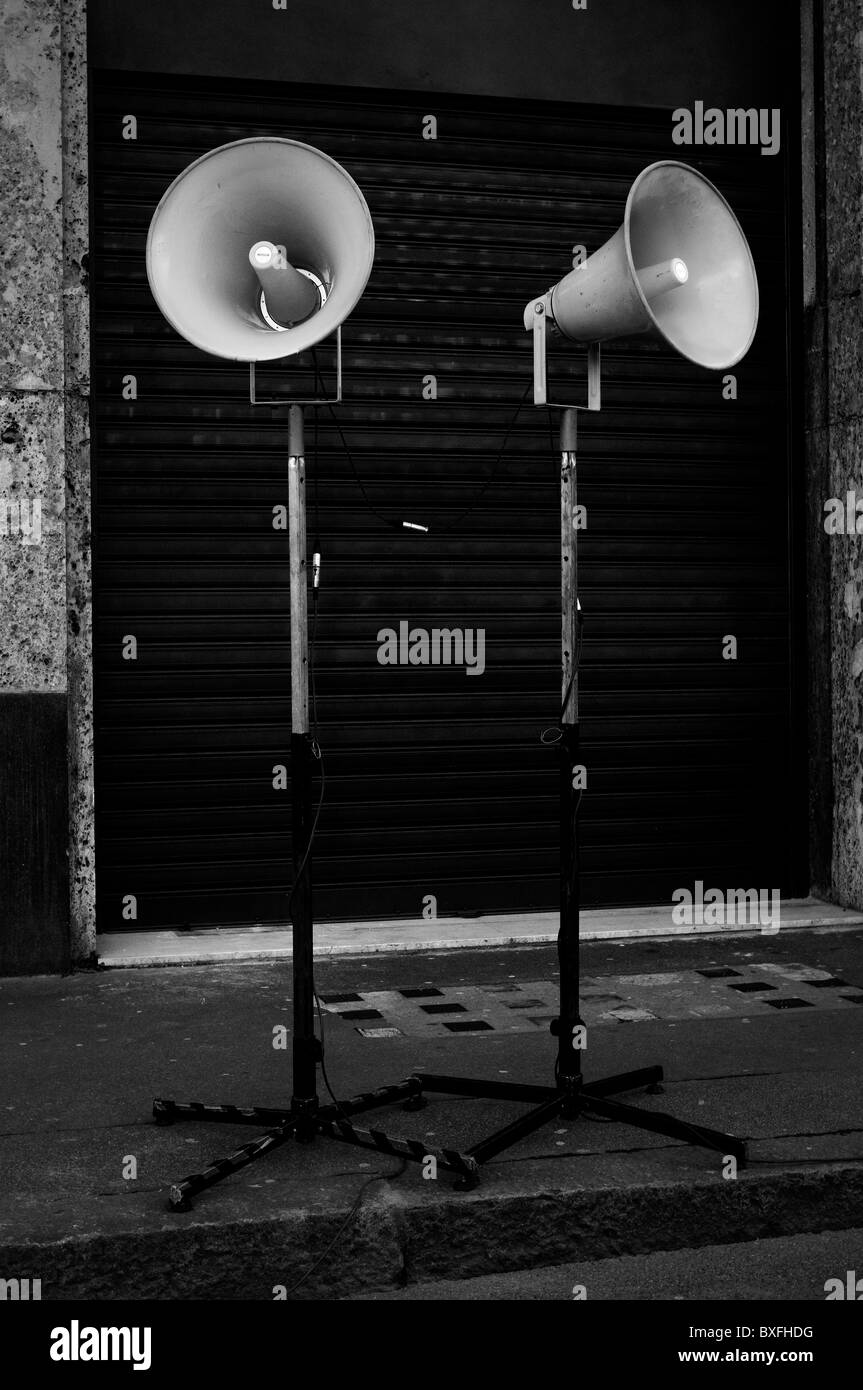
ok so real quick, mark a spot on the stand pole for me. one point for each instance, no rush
(570, 1027)
(304, 1100)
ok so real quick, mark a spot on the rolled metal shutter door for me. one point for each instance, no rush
(437, 783)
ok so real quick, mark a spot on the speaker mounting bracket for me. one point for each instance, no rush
(541, 316)
(255, 399)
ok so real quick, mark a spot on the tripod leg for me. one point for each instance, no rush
(409, 1091)
(659, 1123)
(182, 1192)
(519, 1129)
(287, 1124)
(403, 1148)
(625, 1081)
(166, 1112)
(486, 1090)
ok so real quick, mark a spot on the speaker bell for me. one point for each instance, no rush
(679, 266)
(260, 249)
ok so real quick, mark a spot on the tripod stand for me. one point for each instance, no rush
(570, 1096)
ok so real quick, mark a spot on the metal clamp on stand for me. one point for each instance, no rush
(539, 329)
(255, 399)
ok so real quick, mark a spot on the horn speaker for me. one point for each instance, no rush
(679, 266)
(260, 249)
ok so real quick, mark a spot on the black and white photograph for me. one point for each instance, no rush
(431, 675)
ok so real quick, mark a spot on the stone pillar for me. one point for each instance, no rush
(45, 659)
(833, 230)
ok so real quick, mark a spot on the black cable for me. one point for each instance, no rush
(333, 1097)
(319, 383)
(400, 525)
(305, 858)
(557, 730)
(553, 438)
(354, 1211)
(316, 456)
(316, 747)
(316, 744)
(318, 753)
(320, 756)
(494, 468)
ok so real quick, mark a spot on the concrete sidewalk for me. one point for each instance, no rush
(85, 1172)
(207, 945)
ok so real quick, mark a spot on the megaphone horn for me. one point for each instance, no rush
(260, 249)
(288, 295)
(678, 266)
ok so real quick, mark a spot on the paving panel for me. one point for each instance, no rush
(523, 1007)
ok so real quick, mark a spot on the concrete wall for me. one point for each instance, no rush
(44, 471)
(833, 203)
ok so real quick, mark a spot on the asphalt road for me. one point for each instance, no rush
(796, 1267)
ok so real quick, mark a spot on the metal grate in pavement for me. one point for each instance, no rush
(529, 1006)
